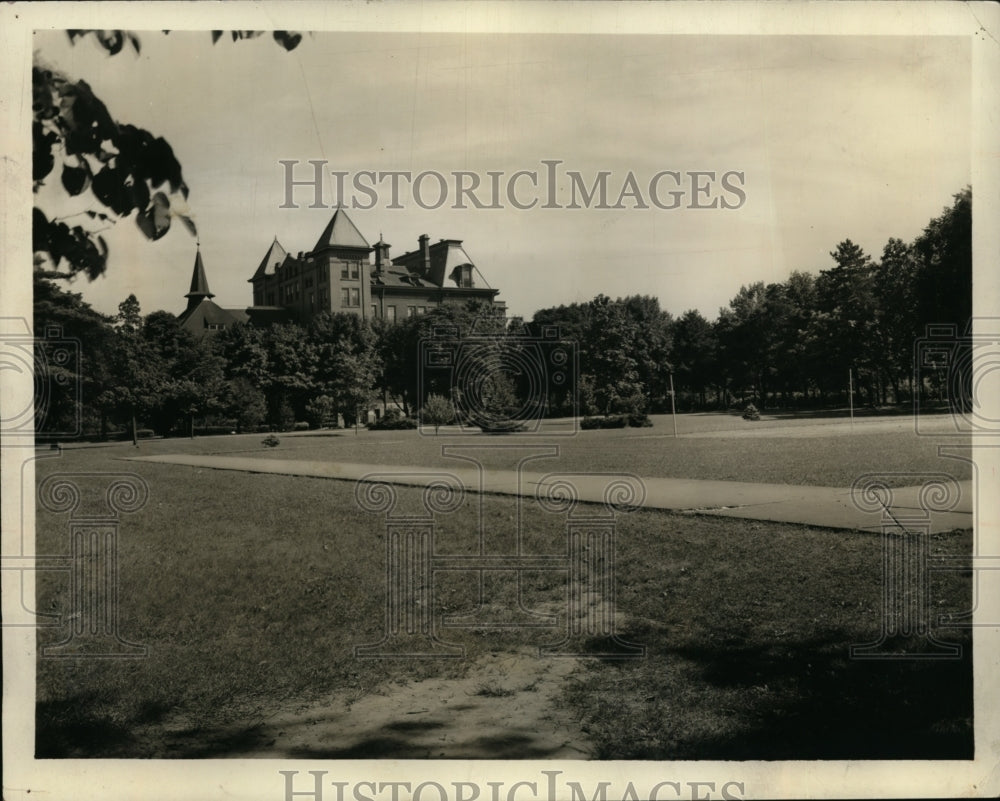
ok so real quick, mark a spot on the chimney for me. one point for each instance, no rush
(381, 256)
(425, 248)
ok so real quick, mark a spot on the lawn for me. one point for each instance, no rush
(251, 591)
(831, 461)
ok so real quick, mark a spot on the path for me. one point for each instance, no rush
(828, 507)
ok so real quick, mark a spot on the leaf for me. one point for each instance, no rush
(112, 41)
(288, 39)
(109, 187)
(154, 221)
(216, 35)
(75, 179)
(189, 224)
(42, 159)
(135, 43)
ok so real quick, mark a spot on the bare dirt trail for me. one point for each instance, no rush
(506, 707)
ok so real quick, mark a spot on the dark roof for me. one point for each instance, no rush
(198, 318)
(445, 256)
(275, 255)
(340, 232)
(199, 283)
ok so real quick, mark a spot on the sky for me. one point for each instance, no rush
(833, 137)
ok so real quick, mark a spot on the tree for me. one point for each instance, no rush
(123, 167)
(744, 334)
(437, 411)
(845, 323)
(944, 271)
(72, 385)
(244, 401)
(136, 369)
(347, 361)
(193, 380)
(694, 353)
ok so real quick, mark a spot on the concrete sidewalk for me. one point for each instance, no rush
(828, 507)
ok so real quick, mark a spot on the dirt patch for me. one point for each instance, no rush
(504, 708)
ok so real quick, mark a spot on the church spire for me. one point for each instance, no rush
(199, 283)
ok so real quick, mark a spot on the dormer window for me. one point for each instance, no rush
(462, 276)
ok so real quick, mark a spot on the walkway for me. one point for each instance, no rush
(828, 507)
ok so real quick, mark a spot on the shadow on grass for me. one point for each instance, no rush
(798, 701)
(71, 728)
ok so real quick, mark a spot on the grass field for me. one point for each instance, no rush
(251, 591)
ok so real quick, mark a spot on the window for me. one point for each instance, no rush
(270, 298)
(355, 266)
(421, 310)
(215, 327)
(390, 313)
(411, 310)
(344, 271)
(355, 297)
(374, 311)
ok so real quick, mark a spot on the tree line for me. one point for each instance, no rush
(789, 344)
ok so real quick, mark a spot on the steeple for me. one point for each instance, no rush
(199, 283)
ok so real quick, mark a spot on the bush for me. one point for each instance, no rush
(437, 411)
(320, 412)
(639, 420)
(502, 427)
(751, 413)
(301, 425)
(208, 431)
(271, 441)
(392, 423)
(610, 421)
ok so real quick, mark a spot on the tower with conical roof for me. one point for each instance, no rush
(203, 315)
(199, 283)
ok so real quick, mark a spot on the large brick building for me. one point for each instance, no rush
(343, 273)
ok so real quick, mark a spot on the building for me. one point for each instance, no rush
(343, 273)
(203, 316)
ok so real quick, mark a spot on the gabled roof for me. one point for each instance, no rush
(199, 283)
(340, 232)
(198, 318)
(275, 255)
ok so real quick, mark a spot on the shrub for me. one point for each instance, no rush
(437, 412)
(392, 423)
(502, 427)
(271, 441)
(610, 421)
(320, 412)
(208, 431)
(639, 420)
(301, 425)
(751, 413)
